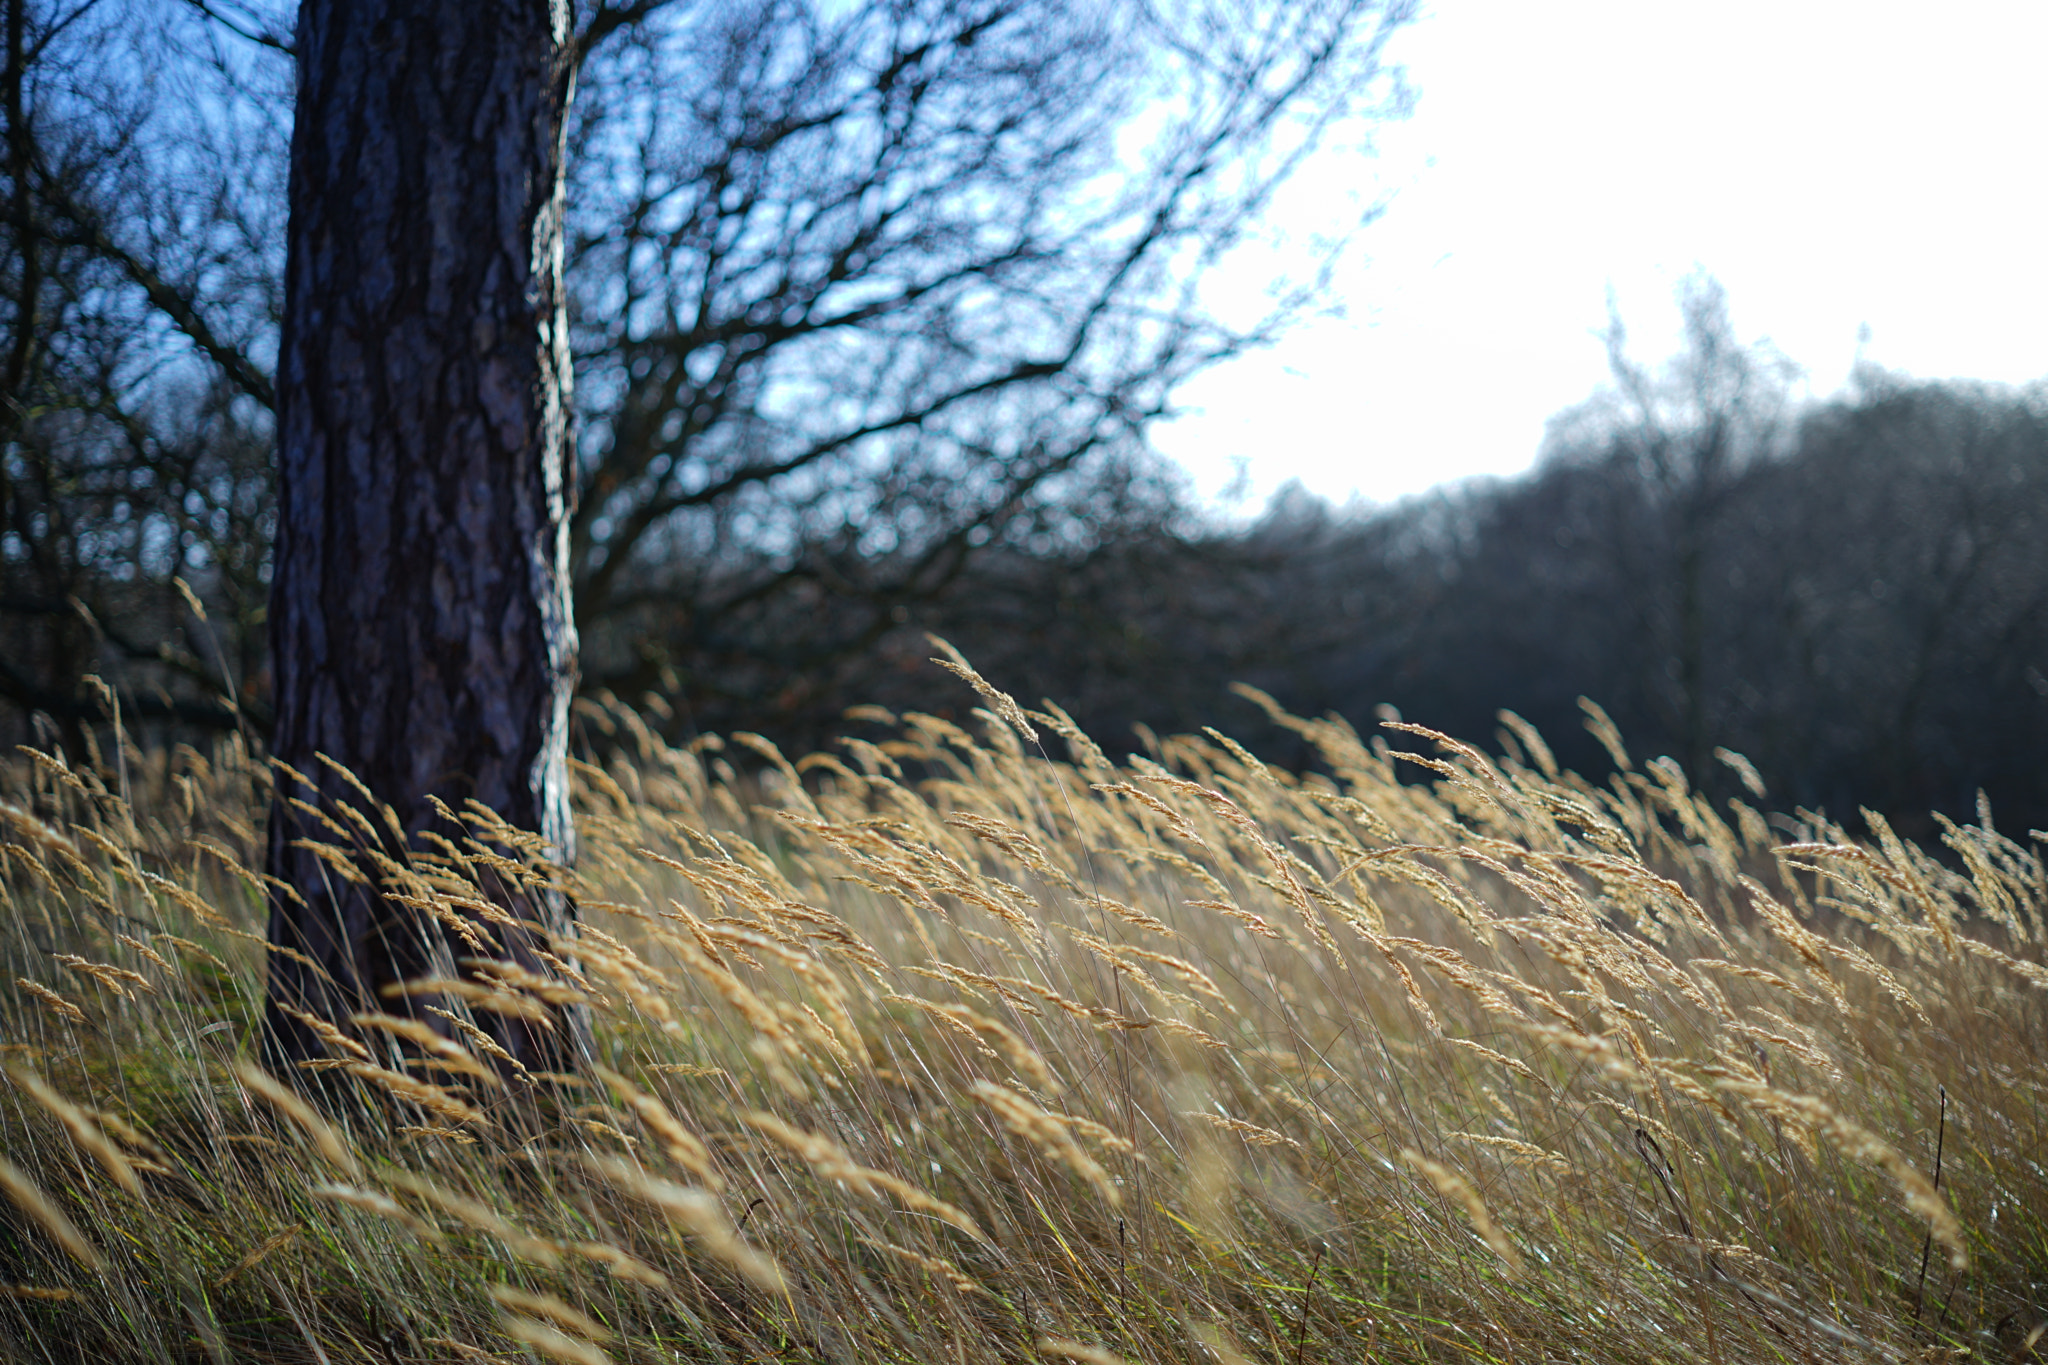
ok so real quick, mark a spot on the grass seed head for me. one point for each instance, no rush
(553, 1308)
(1065, 1348)
(1460, 1191)
(30, 1199)
(80, 1125)
(552, 1342)
(698, 1212)
(325, 1140)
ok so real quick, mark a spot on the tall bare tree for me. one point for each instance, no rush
(1676, 445)
(421, 631)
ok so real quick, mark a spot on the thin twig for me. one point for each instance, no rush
(1940, 1134)
(1301, 1332)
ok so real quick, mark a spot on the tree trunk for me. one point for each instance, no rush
(420, 627)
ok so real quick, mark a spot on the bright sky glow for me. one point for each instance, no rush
(1835, 163)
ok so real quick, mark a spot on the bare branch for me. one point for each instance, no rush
(260, 37)
(179, 305)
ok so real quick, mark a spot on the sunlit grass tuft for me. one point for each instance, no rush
(947, 1048)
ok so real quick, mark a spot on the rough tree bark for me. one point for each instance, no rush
(421, 631)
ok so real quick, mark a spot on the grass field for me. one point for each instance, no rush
(978, 1047)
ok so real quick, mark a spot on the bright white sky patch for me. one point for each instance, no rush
(1835, 164)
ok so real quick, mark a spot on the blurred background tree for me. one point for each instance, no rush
(867, 290)
(140, 284)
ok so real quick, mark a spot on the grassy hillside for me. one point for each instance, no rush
(974, 1047)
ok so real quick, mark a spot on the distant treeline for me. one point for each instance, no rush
(1853, 595)
(1856, 605)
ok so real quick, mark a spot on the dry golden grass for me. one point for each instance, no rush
(942, 1048)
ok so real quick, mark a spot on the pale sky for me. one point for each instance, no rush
(1835, 164)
